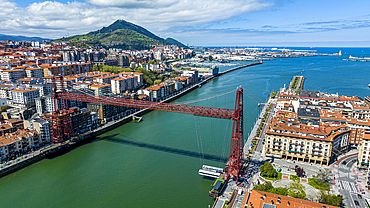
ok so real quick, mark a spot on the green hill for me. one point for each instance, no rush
(121, 34)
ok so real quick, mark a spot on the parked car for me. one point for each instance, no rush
(356, 203)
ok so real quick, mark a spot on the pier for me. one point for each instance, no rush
(297, 83)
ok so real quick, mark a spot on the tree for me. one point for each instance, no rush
(323, 176)
(263, 187)
(125, 70)
(267, 187)
(157, 81)
(267, 170)
(280, 191)
(95, 68)
(334, 200)
(296, 190)
(299, 171)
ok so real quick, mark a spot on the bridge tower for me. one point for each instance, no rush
(235, 163)
(61, 120)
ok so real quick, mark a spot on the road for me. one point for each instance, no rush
(346, 182)
(257, 156)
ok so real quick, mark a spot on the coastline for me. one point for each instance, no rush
(55, 150)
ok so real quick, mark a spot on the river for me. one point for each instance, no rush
(155, 163)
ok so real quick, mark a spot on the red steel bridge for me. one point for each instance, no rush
(62, 124)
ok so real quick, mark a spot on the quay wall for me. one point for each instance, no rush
(59, 149)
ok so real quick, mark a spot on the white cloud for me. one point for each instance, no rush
(53, 19)
(133, 3)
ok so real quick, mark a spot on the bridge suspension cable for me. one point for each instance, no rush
(253, 95)
(251, 98)
(208, 98)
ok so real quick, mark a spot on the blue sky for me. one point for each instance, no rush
(200, 22)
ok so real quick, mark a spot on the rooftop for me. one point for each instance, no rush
(260, 199)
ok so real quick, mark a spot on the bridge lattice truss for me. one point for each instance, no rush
(62, 125)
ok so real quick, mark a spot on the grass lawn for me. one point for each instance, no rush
(274, 179)
(294, 177)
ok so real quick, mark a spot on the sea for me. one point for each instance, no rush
(155, 163)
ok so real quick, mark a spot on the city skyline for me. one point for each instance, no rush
(200, 23)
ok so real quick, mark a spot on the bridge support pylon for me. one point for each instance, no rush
(235, 163)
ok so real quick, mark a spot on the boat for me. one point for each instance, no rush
(209, 171)
(217, 187)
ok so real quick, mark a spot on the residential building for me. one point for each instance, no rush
(6, 91)
(44, 89)
(66, 68)
(291, 140)
(42, 127)
(193, 74)
(364, 152)
(260, 199)
(140, 79)
(16, 143)
(34, 72)
(3, 104)
(81, 120)
(106, 79)
(106, 112)
(25, 96)
(13, 74)
(101, 89)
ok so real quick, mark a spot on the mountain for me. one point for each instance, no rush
(122, 34)
(21, 38)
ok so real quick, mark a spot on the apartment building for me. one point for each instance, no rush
(65, 69)
(193, 74)
(42, 127)
(119, 85)
(105, 79)
(34, 72)
(44, 89)
(16, 143)
(25, 96)
(13, 74)
(140, 79)
(101, 89)
(364, 152)
(306, 143)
